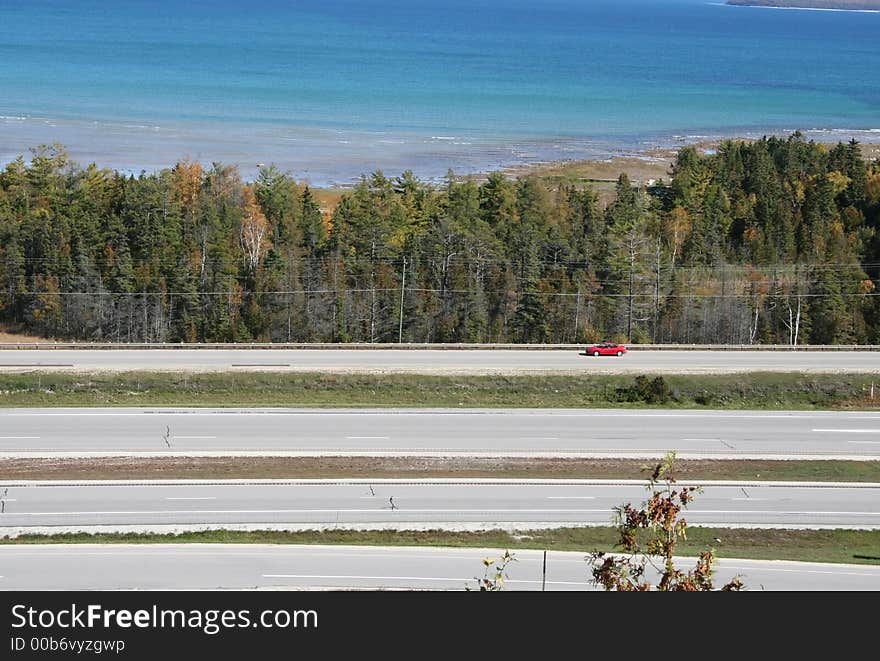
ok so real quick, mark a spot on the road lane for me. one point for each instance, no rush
(405, 504)
(432, 361)
(508, 432)
(257, 566)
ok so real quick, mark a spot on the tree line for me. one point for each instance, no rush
(771, 241)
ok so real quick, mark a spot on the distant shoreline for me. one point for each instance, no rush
(830, 5)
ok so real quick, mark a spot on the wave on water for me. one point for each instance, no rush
(830, 9)
(863, 135)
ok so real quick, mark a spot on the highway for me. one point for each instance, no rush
(509, 432)
(436, 361)
(405, 504)
(256, 566)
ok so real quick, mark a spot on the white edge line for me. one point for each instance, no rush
(423, 482)
(404, 452)
(849, 431)
(424, 510)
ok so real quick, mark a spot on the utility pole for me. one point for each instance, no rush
(402, 290)
(544, 573)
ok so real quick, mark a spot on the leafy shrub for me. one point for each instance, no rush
(646, 390)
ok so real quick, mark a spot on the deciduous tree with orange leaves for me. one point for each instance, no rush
(648, 537)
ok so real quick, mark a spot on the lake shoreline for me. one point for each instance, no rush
(338, 161)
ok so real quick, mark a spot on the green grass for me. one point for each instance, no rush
(841, 546)
(742, 391)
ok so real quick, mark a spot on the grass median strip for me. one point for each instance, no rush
(766, 391)
(841, 546)
(144, 468)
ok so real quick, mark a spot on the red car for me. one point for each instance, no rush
(606, 349)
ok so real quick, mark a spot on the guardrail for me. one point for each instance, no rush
(422, 346)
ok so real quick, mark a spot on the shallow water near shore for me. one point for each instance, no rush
(330, 89)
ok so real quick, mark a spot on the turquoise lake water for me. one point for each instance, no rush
(332, 88)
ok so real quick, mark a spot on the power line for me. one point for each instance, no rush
(411, 257)
(513, 293)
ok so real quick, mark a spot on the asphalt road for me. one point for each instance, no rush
(402, 504)
(435, 361)
(208, 567)
(548, 432)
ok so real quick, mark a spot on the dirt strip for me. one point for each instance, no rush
(124, 468)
